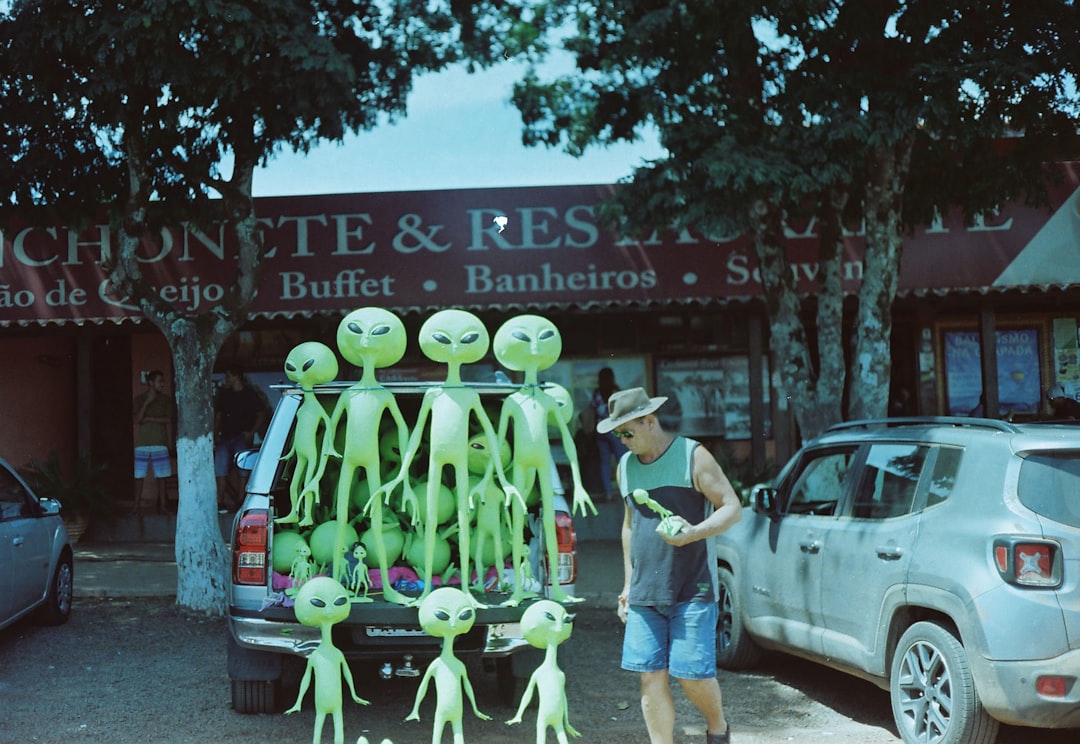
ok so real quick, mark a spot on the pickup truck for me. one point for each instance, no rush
(263, 630)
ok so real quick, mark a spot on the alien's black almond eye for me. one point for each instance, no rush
(521, 336)
(316, 602)
(549, 616)
(290, 367)
(545, 335)
(476, 445)
(441, 615)
(309, 364)
(466, 614)
(470, 338)
(355, 328)
(380, 330)
(442, 338)
(342, 600)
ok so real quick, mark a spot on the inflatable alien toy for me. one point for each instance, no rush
(668, 524)
(545, 625)
(309, 364)
(369, 338)
(447, 613)
(322, 602)
(452, 337)
(529, 343)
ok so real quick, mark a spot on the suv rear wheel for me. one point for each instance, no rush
(734, 648)
(255, 696)
(932, 691)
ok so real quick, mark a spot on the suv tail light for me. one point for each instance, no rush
(1028, 562)
(566, 571)
(251, 548)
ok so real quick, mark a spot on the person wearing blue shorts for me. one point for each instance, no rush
(668, 600)
(154, 415)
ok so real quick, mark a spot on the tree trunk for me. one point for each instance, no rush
(871, 360)
(201, 555)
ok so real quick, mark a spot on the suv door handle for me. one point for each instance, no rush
(809, 546)
(890, 552)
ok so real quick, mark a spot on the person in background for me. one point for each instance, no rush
(669, 596)
(1062, 405)
(239, 412)
(608, 447)
(154, 416)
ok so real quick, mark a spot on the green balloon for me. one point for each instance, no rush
(285, 550)
(393, 541)
(446, 504)
(414, 554)
(323, 538)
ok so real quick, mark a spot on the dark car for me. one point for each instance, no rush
(36, 567)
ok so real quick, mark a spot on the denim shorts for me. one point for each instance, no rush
(680, 638)
(156, 457)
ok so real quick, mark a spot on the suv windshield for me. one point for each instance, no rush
(1050, 485)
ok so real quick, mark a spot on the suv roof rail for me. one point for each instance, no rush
(958, 421)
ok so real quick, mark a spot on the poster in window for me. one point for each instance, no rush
(1019, 383)
(708, 397)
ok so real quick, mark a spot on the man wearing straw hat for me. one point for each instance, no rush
(676, 497)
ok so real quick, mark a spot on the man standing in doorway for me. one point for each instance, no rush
(669, 594)
(238, 414)
(154, 414)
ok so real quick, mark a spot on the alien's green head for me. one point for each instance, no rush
(371, 337)
(311, 363)
(480, 455)
(564, 402)
(527, 342)
(321, 601)
(447, 612)
(454, 336)
(545, 623)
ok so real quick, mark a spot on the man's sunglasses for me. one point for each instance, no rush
(624, 434)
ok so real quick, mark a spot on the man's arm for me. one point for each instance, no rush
(710, 480)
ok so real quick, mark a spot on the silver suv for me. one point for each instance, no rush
(939, 558)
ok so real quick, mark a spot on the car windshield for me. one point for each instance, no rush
(1050, 485)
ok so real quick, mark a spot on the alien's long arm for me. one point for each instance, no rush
(325, 452)
(308, 671)
(472, 698)
(408, 498)
(407, 456)
(340, 409)
(493, 447)
(526, 698)
(349, 680)
(581, 496)
(421, 692)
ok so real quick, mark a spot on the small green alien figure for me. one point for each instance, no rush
(529, 343)
(454, 338)
(321, 603)
(447, 613)
(670, 524)
(545, 625)
(369, 338)
(309, 364)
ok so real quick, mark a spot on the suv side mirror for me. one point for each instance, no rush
(764, 500)
(245, 460)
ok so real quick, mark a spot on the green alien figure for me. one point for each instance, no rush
(529, 343)
(545, 625)
(670, 525)
(452, 337)
(309, 364)
(447, 613)
(321, 603)
(370, 338)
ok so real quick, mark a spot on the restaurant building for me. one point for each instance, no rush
(990, 306)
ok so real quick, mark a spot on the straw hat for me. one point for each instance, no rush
(627, 405)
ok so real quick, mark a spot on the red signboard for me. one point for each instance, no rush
(428, 249)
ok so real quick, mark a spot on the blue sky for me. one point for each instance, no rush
(461, 131)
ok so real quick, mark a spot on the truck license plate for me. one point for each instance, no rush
(394, 632)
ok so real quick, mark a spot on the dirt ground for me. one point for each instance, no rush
(141, 671)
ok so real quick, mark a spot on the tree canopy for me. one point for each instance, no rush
(866, 116)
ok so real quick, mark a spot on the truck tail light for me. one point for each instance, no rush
(251, 548)
(567, 542)
(1028, 562)
(1054, 685)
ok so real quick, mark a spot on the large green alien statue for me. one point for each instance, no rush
(545, 624)
(369, 338)
(309, 364)
(529, 343)
(321, 603)
(447, 613)
(452, 337)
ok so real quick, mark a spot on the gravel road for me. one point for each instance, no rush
(147, 671)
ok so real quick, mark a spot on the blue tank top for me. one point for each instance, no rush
(663, 574)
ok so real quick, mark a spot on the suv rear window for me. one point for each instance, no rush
(1050, 485)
